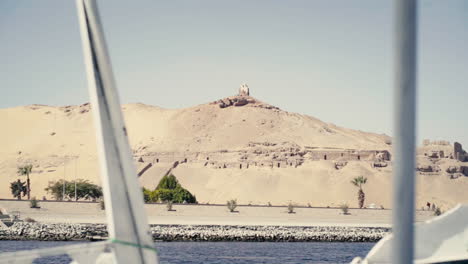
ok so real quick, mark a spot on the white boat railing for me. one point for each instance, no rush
(79, 253)
(442, 239)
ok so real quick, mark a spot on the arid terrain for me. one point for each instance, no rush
(237, 147)
(184, 214)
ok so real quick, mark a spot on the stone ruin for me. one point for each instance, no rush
(241, 99)
(439, 149)
(435, 154)
(244, 90)
(459, 153)
(262, 154)
(280, 155)
(427, 142)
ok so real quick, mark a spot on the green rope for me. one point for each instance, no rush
(126, 243)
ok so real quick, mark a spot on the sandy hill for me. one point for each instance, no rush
(236, 147)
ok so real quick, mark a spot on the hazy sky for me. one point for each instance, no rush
(330, 59)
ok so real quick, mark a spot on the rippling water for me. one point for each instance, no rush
(227, 252)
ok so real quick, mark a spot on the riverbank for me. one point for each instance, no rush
(82, 232)
(185, 214)
(63, 221)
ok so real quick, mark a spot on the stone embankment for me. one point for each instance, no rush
(63, 232)
(52, 232)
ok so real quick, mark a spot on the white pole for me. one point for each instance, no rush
(405, 118)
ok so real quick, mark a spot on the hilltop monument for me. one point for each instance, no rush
(244, 90)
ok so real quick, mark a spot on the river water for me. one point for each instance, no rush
(227, 252)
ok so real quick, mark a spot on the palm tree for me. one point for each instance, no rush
(18, 188)
(358, 182)
(25, 171)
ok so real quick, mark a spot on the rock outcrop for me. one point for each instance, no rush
(235, 101)
(241, 99)
(427, 168)
(458, 169)
(459, 153)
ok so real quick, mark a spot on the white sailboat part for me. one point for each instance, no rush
(28, 256)
(440, 240)
(443, 239)
(130, 240)
(404, 147)
(126, 217)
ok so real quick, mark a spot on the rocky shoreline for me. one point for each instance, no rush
(76, 232)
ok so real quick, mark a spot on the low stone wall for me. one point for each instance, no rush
(64, 232)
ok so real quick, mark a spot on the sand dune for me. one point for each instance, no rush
(254, 152)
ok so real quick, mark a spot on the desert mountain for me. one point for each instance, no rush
(236, 147)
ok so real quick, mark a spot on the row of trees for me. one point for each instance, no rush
(61, 190)
(79, 189)
(168, 190)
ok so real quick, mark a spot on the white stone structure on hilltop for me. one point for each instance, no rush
(244, 90)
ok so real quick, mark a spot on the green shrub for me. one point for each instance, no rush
(34, 203)
(164, 194)
(168, 182)
(146, 195)
(231, 205)
(180, 195)
(154, 196)
(344, 209)
(18, 189)
(29, 220)
(169, 189)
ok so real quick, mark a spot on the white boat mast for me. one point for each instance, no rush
(405, 122)
(126, 217)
